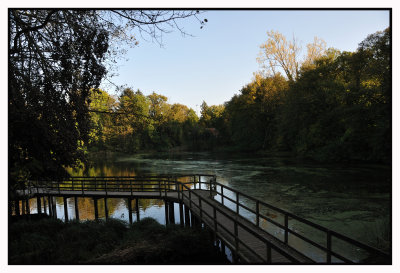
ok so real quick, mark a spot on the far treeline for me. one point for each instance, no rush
(332, 106)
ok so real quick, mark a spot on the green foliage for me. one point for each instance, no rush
(137, 122)
(51, 74)
(337, 109)
(51, 241)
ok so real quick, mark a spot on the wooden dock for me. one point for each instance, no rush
(199, 207)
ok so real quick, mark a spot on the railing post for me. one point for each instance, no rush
(268, 253)
(201, 210)
(257, 213)
(130, 185)
(95, 183)
(236, 242)
(159, 187)
(329, 247)
(210, 188)
(190, 199)
(177, 189)
(237, 202)
(222, 194)
(286, 228)
(105, 185)
(72, 181)
(215, 222)
(82, 182)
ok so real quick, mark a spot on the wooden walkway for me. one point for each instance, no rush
(251, 248)
(248, 242)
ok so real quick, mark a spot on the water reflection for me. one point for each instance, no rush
(354, 199)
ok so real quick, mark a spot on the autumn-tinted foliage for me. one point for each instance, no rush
(336, 108)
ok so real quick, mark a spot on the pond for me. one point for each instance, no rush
(354, 200)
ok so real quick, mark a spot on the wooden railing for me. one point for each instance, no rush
(217, 192)
(160, 184)
(258, 214)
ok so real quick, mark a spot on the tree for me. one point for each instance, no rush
(277, 52)
(56, 59)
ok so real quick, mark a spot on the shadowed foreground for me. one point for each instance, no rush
(50, 241)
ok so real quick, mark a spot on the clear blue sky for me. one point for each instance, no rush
(221, 58)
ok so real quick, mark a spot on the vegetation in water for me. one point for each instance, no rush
(50, 241)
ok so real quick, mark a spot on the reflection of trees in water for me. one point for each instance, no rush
(147, 203)
(86, 206)
(103, 170)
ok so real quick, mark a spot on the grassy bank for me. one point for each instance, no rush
(49, 241)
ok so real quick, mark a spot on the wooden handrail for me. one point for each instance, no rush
(127, 183)
(295, 217)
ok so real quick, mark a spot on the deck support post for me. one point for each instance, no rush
(54, 201)
(105, 208)
(39, 206)
(28, 209)
(181, 221)
(96, 209)
(171, 213)
(130, 210)
(137, 209)
(44, 205)
(16, 207)
(23, 206)
(223, 250)
(76, 208)
(193, 220)
(187, 217)
(65, 209)
(50, 206)
(166, 205)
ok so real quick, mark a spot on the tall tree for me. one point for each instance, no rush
(280, 53)
(56, 59)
